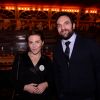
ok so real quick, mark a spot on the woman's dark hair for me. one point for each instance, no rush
(35, 32)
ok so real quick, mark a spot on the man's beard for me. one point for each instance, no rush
(69, 35)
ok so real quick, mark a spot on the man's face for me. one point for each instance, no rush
(65, 26)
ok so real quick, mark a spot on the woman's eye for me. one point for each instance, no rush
(30, 42)
(37, 41)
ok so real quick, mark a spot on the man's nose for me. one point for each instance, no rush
(62, 27)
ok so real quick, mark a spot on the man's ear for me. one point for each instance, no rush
(73, 25)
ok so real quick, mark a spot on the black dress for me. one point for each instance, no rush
(27, 73)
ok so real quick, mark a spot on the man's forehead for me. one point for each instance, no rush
(63, 18)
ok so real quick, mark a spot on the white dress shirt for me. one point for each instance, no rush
(71, 45)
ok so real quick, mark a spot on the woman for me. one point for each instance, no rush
(32, 70)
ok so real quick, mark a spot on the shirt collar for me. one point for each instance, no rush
(71, 39)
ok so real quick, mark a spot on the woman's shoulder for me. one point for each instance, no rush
(21, 55)
(46, 58)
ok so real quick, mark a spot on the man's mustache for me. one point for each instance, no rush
(63, 30)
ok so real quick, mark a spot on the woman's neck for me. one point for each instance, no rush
(34, 55)
(34, 58)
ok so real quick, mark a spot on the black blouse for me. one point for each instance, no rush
(27, 73)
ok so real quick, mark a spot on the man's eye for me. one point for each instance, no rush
(58, 26)
(66, 22)
(37, 41)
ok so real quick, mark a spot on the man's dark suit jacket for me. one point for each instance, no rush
(81, 79)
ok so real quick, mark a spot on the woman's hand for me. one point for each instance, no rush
(31, 88)
(36, 88)
(42, 87)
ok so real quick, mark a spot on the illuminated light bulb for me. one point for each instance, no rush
(45, 9)
(19, 8)
(72, 10)
(77, 10)
(9, 8)
(33, 9)
(91, 11)
(39, 9)
(65, 10)
(13, 8)
(28, 8)
(68, 10)
(86, 11)
(52, 9)
(95, 11)
(58, 10)
(6, 7)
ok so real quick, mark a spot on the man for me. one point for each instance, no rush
(77, 75)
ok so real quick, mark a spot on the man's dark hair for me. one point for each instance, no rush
(70, 15)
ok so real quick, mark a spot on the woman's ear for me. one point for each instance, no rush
(42, 43)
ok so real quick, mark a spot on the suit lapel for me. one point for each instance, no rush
(76, 49)
(62, 62)
(61, 59)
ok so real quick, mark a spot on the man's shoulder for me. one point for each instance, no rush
(88, 41)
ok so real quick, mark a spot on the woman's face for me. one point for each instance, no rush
(35, 44)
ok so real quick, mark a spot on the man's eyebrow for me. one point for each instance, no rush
(66, 21)
(57, 24)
